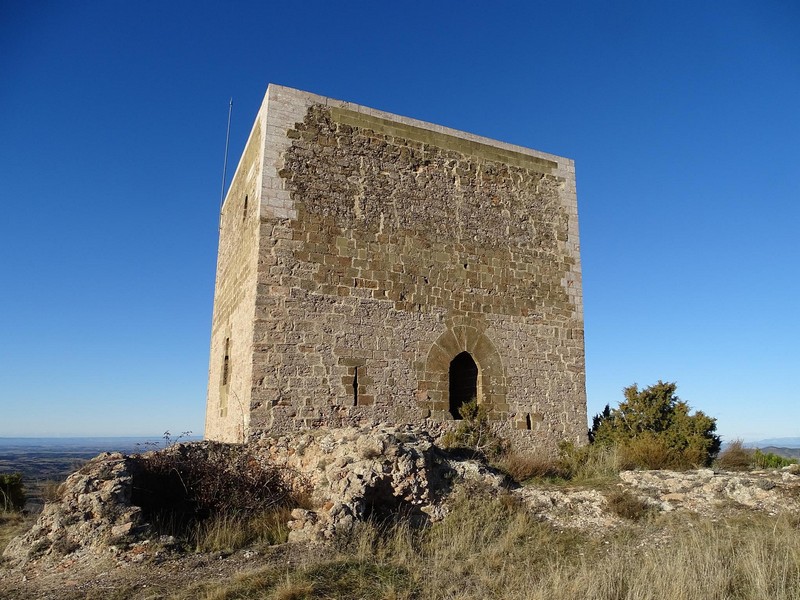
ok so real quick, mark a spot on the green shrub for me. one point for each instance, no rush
(474, 433)
(736, 457)
(768, 460)
(653, 429)
(12, 492)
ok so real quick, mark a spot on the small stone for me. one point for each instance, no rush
(674, 497)
(118, 531)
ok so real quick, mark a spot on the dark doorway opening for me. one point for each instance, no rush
(463, 382)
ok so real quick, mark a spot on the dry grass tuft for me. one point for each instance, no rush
(628, 506)
(51, 490)
(650, 453)
(12, 524)
(594, 464)
(229, 532)
(522, 466)
(735, 457)
(293, 591)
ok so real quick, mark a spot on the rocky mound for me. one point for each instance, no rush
(93, 513)
(356, 474)
(708, 492)
(350, 475)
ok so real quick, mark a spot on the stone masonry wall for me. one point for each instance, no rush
(387, 247)
(230, 365)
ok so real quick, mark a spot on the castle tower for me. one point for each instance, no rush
(374, 268)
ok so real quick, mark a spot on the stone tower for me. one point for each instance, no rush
(374, 268)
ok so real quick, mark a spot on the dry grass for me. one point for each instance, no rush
(650, 453)
(51, 490)
(735, 457)
(522, 466)
(748, 559)
(228, 532)
(13, 524)
(491, 547)
(340, 579)
(593, 464)
(626, 505)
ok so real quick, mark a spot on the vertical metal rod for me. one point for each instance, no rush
(225, 162)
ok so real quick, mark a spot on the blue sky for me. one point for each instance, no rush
(682, 118)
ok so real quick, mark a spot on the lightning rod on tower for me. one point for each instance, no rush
(225, 162)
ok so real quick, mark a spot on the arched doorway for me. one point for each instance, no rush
(463, 382)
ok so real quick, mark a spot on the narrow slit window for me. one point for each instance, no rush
(528, 421)
(355, 386)
(244, 210)
(226, 367)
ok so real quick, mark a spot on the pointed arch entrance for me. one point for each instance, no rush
(461, 364)
(463, 375)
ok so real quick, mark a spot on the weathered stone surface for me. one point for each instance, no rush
(582, 509)
(94, 511)
(705, 491)
(361, 252)
(360, 473)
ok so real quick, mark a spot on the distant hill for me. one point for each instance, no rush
(787, 442)
(781, 451)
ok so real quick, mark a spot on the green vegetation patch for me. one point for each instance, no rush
(736, 457)
(654, 429)
(769, 460)
(12, 492)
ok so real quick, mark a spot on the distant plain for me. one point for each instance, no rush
(45, 460)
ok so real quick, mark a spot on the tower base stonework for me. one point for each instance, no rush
(374, 268)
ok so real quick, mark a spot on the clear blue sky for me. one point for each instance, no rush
(683, 119)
